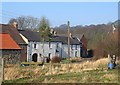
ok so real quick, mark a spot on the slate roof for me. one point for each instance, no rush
(35, 36)
(30, 35)
(6, 42)
(79, 36)
(74, 35)
(13, 32)
(64, 40)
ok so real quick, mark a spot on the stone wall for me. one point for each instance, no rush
(11, 56)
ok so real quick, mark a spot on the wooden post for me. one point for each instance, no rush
(2, 70)
(69, 43)
(50, 68)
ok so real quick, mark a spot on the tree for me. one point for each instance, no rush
(31, 22)
(12, 20)
(111, 44)
(21, 22)
(44, 30)
(26, 22)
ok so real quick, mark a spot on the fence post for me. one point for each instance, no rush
(2, 69)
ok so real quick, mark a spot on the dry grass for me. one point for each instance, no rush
(99, 76)
(16, 71)
(11, 72)
(109, 76)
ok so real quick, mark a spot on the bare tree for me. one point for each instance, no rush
(21, 22)
(12, 20)
(26, 22)
(111, 44)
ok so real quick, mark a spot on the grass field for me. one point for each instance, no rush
(86, 72)
(99, 76)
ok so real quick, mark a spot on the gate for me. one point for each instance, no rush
(1, 70)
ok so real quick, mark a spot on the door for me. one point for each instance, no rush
(34, 57)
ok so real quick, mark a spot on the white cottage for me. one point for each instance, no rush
(56, 47)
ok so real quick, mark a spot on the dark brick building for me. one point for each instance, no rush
(12, 30)
(9, 48)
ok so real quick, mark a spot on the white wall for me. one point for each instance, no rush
(62, 50)
(72, 51)
(39, 49)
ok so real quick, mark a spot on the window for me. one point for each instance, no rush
(34, 45)
(75, 47)
(40, 55)
(49, 56)
(80, 44)
(76, 54)
(72, 47)
(57, 51)
(57, 45)
(50, 45)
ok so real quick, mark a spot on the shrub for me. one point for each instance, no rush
(90, 53)
(73, 60)
(56, 59)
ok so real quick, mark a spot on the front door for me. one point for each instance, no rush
(34, 57)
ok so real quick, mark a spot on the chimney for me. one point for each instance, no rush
(71, 35)
(55, 33)
(15, 24)
(114, 28)
(51, 31)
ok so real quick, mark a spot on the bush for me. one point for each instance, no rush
(73, 60)
(90, 53)
(56, 59)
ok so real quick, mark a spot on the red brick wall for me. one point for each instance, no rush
(23, 54)
(84, 41)
(84, 45)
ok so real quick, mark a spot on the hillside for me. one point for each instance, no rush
(99, 37)
(93, 33)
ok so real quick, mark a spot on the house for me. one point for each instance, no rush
(83, 44)
(57, 46)
(12, 30)
(74, 46)
(10, 50)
